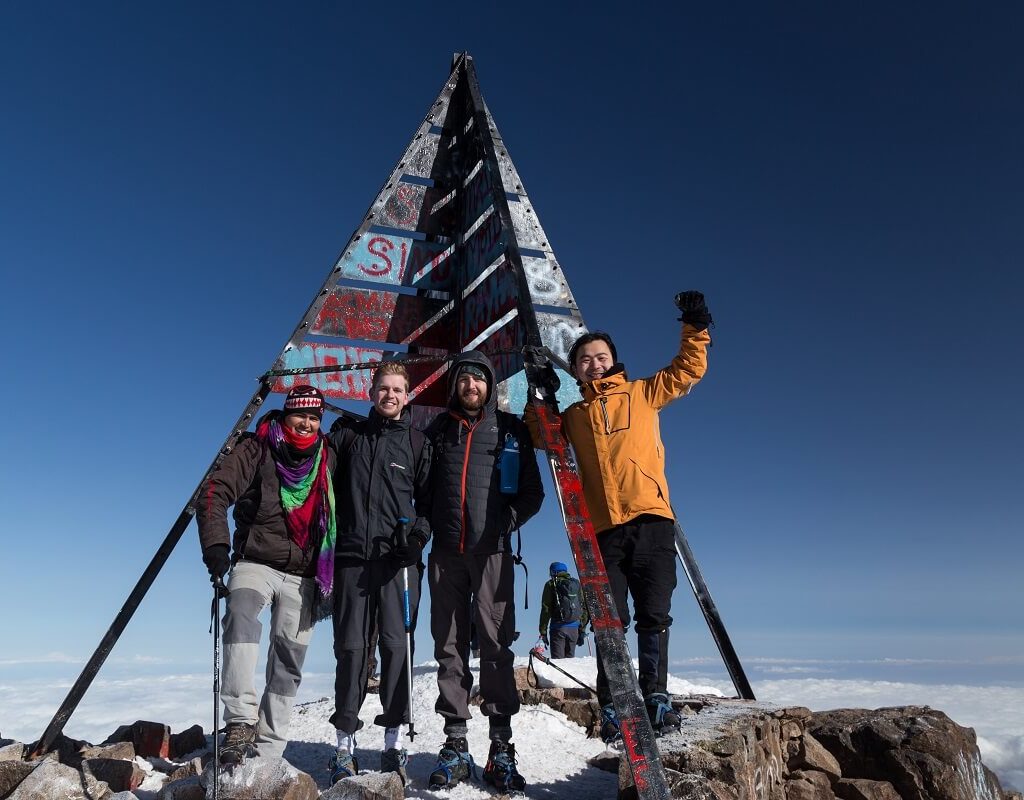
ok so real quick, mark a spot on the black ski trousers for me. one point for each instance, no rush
(455, 580)
(640, 559)
(365, 591)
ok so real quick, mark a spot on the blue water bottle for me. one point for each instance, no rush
(509, 465)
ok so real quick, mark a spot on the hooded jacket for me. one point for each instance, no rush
(468, 512)
(616, 435)
(377, 481)
(247, 479)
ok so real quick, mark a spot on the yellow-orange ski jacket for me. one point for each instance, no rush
(616, 434)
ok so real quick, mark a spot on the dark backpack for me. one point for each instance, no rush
(567, 600)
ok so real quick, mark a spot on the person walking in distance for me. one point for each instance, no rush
(382, 485)
(282, 555)
(484, 485)
(615, 432)
(563, 614)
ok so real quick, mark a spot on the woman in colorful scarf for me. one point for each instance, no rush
(279, 481)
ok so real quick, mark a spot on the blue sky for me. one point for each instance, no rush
(845, 186)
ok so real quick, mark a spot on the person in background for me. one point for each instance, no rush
(563, 614)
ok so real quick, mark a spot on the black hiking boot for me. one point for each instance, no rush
(454, 764)
(664, 718)
(239, 743)
(501, 771)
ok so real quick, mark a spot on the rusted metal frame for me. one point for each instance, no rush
(281, 373)
(484, 125)
(131, 604)
(443, 98)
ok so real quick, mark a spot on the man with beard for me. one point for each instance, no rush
(473, 513)
(279, 481)
(382, 483)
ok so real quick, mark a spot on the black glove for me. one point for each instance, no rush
(581, 638)
(695, 310)
(544, 638)
(408, 555)
(217, 561)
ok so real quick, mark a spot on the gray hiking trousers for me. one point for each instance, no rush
(455, 579)
(252, 588)
(369, 594)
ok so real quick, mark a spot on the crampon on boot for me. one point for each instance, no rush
(239, 743)
(342, 765)
(501, 771)
(454, 764)
(663, 716)
(609, 724)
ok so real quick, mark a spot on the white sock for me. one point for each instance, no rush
(393, 738)
(346, 741)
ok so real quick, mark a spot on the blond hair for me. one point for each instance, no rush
(390, 368)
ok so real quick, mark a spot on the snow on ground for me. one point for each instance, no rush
(552, 751)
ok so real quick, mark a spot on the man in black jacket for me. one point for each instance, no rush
(477, 502)
(382, 482)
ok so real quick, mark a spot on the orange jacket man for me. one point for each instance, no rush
(616, 434)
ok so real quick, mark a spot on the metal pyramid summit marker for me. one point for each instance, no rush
(435, 268)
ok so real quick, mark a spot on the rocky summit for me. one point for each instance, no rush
(726, 750)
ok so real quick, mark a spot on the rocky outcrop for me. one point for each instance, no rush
(736, 750)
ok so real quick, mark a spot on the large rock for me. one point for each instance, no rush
(808, 785)
(11, 750)
(52, 780)
(11, 774)
(188, 741)
(261, 779)
(120, 776)
(125, 751)
(369, 786)
(186, 789)
(920, 751)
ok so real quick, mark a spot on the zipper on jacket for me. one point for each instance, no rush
(604, 410)
(465, 469)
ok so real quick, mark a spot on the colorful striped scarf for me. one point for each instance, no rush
(307, 497)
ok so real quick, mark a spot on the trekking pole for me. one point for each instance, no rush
(403, 540)
(536, 651)
(219, 591)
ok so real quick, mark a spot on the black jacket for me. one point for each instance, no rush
(247, 479)
(377, 481)
(468, 512)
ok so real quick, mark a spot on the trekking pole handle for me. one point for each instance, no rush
(402, 531)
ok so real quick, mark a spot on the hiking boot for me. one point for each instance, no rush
(663, 716)
(501, 770)
(394, 760)
(342, 765)
(610, 728)
(454, 764)
(239, 742)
